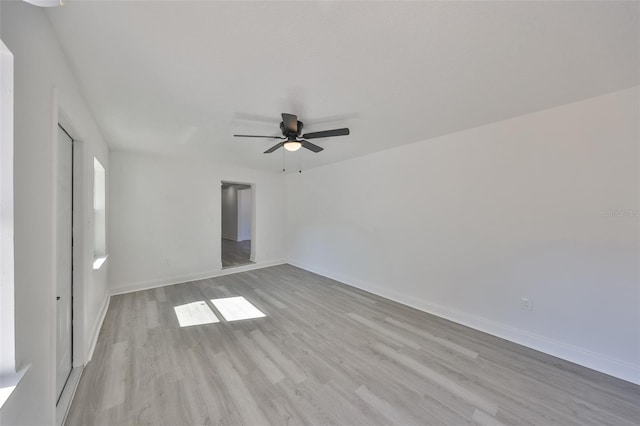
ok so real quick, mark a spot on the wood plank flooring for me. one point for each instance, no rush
(328, 354)
(235, 253)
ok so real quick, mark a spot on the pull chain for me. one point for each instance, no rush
(299, 161)
(283, 169)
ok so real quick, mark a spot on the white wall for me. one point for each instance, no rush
(165, 219)
(229, 200)
(466, 224)
(44, 81)
(244, 214)
(236, 213)
(99, 209)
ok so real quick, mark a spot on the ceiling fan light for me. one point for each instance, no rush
(292, 145)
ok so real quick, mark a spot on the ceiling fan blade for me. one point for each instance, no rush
(311, 146)
(290, 122)
(258, 136)
(273, 148)
(326, 133)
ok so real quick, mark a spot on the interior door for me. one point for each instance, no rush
(64, 226)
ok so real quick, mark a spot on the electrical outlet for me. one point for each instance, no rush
(526, 304)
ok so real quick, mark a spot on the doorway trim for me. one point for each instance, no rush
(78, 277)
(73, 178)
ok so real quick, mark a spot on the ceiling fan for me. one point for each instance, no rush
(291, 132)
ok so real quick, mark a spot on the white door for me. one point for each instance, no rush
(64, 230)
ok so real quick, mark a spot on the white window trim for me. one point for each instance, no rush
(9, 382)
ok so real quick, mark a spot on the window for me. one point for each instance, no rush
(9, 378)
(6, 212)
(99, 214)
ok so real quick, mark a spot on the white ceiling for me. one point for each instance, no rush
(179, 77)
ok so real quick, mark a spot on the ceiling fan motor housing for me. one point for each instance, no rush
(291, 129)
(288, 133)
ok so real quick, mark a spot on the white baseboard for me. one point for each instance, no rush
(586, 358)
(69, 392)
(161, 282)
(96, 328)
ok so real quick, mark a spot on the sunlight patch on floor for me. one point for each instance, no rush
(236, 308)
(195, 313)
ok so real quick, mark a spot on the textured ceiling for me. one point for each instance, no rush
(179, 77)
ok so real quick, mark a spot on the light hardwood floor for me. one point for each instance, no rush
(235, 253)
(325, 353)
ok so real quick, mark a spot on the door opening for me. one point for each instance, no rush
(237, 224)
(64, 263)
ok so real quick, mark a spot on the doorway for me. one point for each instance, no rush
(237, 224)
(64, 260)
